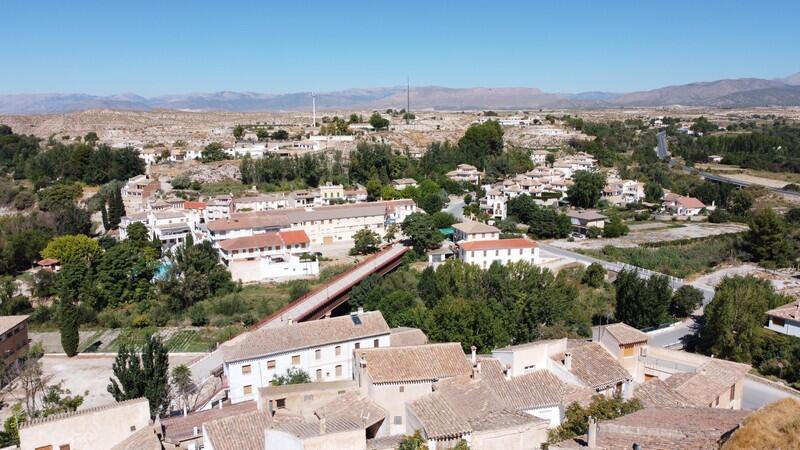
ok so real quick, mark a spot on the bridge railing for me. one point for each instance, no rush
(322, 287)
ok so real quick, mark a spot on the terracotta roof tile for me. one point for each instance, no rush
(354, 407)
(655, 393)
(415, 363)
(292, 237)
(475, 227)
(592, 364)
(239, 432)
(708, 382)
(269, 239)
(623, 333)
(500, 244)
(313, 333)
(790, 311)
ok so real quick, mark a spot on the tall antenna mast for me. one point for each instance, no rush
(408, 99)
(313, 110)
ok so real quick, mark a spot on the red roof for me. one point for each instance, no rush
(271, 239)
(195, 205)
(292, 237)
(690, 202)
(47, 262)
(497, 244)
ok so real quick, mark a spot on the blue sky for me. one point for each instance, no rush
(170, 46)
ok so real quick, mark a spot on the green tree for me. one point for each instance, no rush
(366, 241)
(576, 417)
(685, 301)
(213, 152)
(615, 228)
(238, 132)
(594, 275)
(550, 159)
(91, 138)
(735, 314)
(57, 400)
(653, 192)
(293, 375)
(443, 219)
(413, 442)
(374, 189)
(123, 274)
(145, 376)
(431, 203)
(378, 122)
(58, 196)
(481, 141)
(768, 239)
(137, 232)
(116, 208)
(76, 247)
(740, 202)
(421, 230)
(68, 324)
(391, 233)
(642, 303)
(587, 189)
(196, 274)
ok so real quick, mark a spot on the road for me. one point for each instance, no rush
(455, 207)
(757, 394)
(740, 183)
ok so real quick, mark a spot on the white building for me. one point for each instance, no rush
(268, 256)
(539, 157)
(137, 191)
(322, 348)
(504, 251)
(465, 173)
(785, 319)
(474, 231)
(402, 183)
(679, 205)
(219, 207)
(169, 225)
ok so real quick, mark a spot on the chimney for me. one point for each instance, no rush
(220, 404)
(568, 360)
(290, 320)
(474, 355)
(269, 408)
(507, 372)
(195, 431)
(476, 371)
(363, 360)
(322, 426)
(360, 310)
(592, 434)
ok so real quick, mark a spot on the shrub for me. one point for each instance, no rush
(140, 321)
(298, 288)
(197, 315)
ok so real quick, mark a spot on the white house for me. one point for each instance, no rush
(539, 157)
(269, 256)
(465, 173)
(219, 207)
(402, 183)
(474, 231)
(785, 319)
(504, 251)
(322, 348)
(679, 205)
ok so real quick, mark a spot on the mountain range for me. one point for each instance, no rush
(729, 93)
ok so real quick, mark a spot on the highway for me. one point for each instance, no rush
(740, 183)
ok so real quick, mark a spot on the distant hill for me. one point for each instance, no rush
(740, 92)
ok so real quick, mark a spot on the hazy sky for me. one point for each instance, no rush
(170, 46)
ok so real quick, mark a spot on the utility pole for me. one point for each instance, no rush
(313, 110)
(408, 99)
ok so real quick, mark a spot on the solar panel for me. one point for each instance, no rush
(356, 319)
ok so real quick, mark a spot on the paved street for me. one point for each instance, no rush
(455, 207)
(758, 394)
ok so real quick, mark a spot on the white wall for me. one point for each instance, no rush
(260, 375)
(789, 327)
(485, 258)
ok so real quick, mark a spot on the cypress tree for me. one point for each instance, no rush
(116, 209)
(69, 325)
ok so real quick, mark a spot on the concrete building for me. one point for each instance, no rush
(137, 191)
(679, 205)
(402, 183)
(100, 428)
(322, 348)
(474, 231)
(539, 157)
(785, 319)
(626, 344)
(582, 220)
(466, 173)
(504, 251)
(329, 192)
(269, 256)
(395, 376)
(219, 207)
(13, 339)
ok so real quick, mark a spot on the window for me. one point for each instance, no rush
(46, 447)
(339, 370)
(733, 392)
(246, 369)
(402, 388)
(248, 389)
(338, 350)
(133, 427)
(63, 447)
(319, 374)
(376, 343)
(778, 322)
(271, 364)
(627, 350)
(317, 354)
(358, 345)
(296, 360)
(280, 403)
(398, 420)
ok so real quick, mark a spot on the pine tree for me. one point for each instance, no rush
(69, 325)
(116, 209)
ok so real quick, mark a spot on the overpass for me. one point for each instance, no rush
(315, 304)
(321, 301)
(738, 183)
